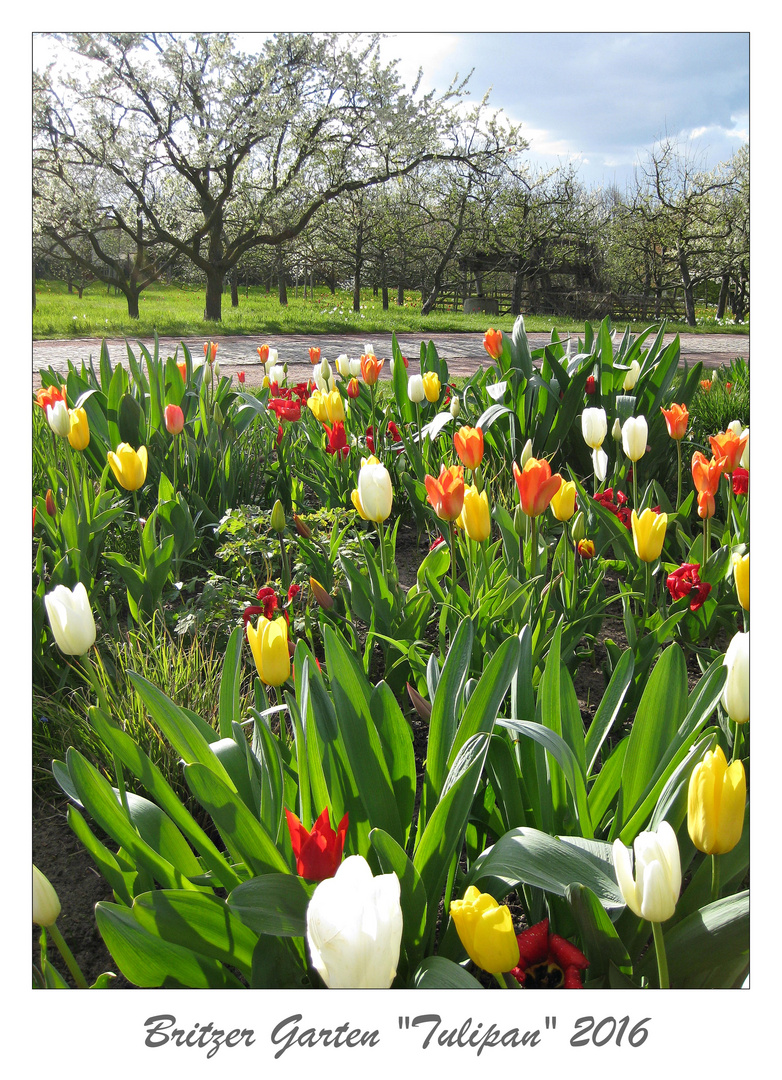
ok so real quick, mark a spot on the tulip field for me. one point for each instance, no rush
(385, 679)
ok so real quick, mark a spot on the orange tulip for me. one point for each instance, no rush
(728, 445)
(677, 418)
(210, 350)
(263, 353)
(182, 365)
(536, 485)
(705, 385)
(314, 355)
(706, 505)
(706, 474)
(468, 443)
(370, 369)
(446, 493)
(492, 343)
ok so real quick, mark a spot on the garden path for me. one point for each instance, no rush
(463, 351)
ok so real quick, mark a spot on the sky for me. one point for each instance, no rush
(598, 99)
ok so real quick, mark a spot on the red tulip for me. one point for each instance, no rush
(548, 961)
(318, 853)
(740, 480)
(591, 385)
(175, 419)
(241, 377)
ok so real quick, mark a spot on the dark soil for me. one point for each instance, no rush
(58, 854)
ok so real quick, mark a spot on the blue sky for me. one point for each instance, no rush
(599, 99)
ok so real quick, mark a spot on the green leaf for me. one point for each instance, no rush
(609, 707)
(359, 736)
(200, 922)
(660, 713)
(397, 742)
(392, 858)
(274, 904)
(146, 960)
(707, 950)
(600, 942)
(438, 973)
(530, 857)
(480, 713)
(243, 834)
(445, 710)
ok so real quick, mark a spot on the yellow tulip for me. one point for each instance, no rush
(335, 408)
(486, 930)
(269, 644)
(715, 803)
(431, 383)
(475, 516)
(741, 577)
(563, 501)
(316, 403)
(649, 534)
(79, 434)
(129, 466)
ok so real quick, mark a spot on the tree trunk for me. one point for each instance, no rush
(722, 300)
(400, 296)
(234, 288)
(214, 294)
(689, 300)
(281, 286)
(132, 296)
(358, 262)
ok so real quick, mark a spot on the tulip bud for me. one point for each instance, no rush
(46, 904)
(593, 427)
(354, 388)
(741, 577)
(51, 506)
(485, 929)
(526, 453)
(218, 413)
(586, 549)
(216, 370)
(519, 521)
(635, 432)
(715, 803)
(174, 418)
(59, 419)
(278, 517)
(735, 696)
(616, 431)
(431, 381)
(653, 893)
(578, 527)
(415, 388)
(354, 927)
(79, 433)
(421, 705)
(324, 599)
(454, 407)
(71, 619)
(631, 378)
(302, 528)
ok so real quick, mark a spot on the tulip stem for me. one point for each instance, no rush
(662, 960)
(453, 559)
(141, 560)
(533, 547)
(647, 590)
(679, 473)
(482, 546)
(635, 486)
(382, 544)
(499, 976)
(715, 879)
(68, 957)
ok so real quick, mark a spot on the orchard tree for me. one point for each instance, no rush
(224, 152)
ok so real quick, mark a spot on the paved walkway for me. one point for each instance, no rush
(464, 352)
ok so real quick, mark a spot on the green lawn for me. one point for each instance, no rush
(177, 311)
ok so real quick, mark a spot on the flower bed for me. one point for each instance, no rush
(529, 843)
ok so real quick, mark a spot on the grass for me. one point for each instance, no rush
(177, 311)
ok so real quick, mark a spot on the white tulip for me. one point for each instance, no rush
(276, 373)
(271, 359)
(616, 431)
(343, 365)
(600, 464)
(355, 367)
(735, 695)
(374, 490)
(454, 406)
(745, 455)
(526, 453)
(635, 433)
(631, 378)
(46, 904)
(71, 619)
(594, 426)
(325, 370)
(369, 349)
(354, 927)
(415, 388)
(59, 419)
(653, 893)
